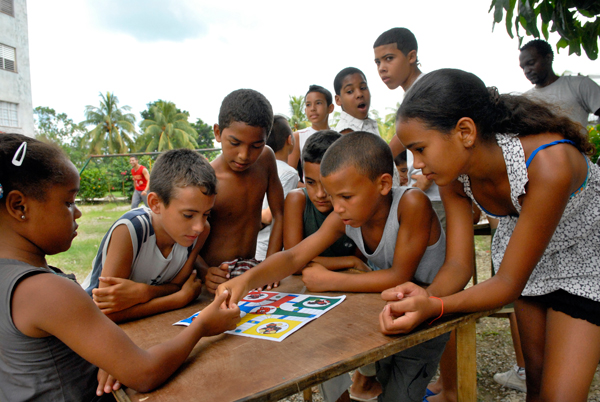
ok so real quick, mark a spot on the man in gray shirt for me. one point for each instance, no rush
(575, 96)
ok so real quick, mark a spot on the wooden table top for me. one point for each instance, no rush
(235, 368)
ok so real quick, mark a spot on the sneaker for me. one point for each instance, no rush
(513, 378)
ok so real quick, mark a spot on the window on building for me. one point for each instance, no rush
(7, 7)
(8, 114)
(7, 58)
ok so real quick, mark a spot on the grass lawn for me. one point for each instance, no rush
(93, 225)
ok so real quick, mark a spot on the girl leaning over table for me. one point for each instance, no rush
(526, 164)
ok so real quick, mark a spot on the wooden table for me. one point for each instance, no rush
(235, 368)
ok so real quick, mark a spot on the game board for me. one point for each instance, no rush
(275, 316)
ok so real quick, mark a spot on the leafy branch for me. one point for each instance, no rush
(576, 21)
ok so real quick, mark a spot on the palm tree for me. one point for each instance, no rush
(113, 126)
(298, 120)
(167, 129)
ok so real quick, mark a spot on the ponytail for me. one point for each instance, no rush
(525, 116)
(443, 97)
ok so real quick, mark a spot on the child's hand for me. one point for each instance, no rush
(216, 276)
(314, 276)
(405, 315)
(191, 288)
(216, 320)
(119, 295)
(407, 289)
(106, 383)
(235, 290)
(360, 265)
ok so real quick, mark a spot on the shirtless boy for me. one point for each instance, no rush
(246, 171)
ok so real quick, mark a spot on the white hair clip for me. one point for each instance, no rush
(19, 162)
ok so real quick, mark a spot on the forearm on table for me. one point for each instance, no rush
(155, 291)
(451, 278)
(337, 263)
(155, 306)
(369, 282)
(493, 293)
(162, 360)
(273, 269)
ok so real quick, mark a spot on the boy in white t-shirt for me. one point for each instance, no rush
(353, 96)
(318, 105)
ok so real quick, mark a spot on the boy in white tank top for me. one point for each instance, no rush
(146, 262)
(397, 228)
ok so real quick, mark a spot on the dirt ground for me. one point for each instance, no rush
(494, 354)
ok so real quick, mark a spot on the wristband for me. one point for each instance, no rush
(441, 313)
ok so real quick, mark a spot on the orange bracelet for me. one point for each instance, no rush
(441, 313)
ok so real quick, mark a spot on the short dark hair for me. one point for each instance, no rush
(400, 158)
(339, 78)
(542, 47)
(403, 38)
(316, 145)
(321, 90)
(279, 134)
(181, 168)
(246, 106)
(368, 153)
(43, 165)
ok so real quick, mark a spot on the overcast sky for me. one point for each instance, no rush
(195, 52)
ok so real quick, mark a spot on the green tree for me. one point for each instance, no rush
(206, 138)
(147, 114)
(113, 126)
(594, 133)
(167, 129)
(298, 119)
(386, 124)
(59, 129)
(563, 16)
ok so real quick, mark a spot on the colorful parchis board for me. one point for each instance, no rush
(275, 316)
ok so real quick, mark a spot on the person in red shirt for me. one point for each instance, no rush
(141, 179)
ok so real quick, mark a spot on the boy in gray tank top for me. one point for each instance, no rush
(396, 229)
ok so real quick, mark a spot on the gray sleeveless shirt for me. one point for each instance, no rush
(383, 256)
(37, 369)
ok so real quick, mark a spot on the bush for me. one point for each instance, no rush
(93, 184)
(594, 132)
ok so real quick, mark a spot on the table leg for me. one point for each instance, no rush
(307, 393)
(466, 373)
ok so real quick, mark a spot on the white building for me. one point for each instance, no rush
(16, 108)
